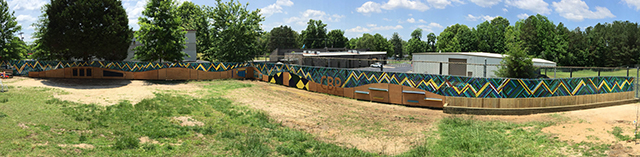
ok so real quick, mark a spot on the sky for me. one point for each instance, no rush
(356, 17)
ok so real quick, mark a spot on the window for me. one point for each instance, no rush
(75, 72)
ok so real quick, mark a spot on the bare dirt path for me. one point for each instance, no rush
(102, 92)
(373, 127)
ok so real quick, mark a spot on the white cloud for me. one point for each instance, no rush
(26, 4)
(536, 6)
(373, 27)
(439, 4)
(486, 3)
(275, 7)
(287, 3)
(523, 16)
(505, 9)
(578, 10)
(313, 14)
(430, 27)
(25, 19)
(476, 18)
(412, 20)
(134, 11)
(386, 19)
(370, 7)
(633, 3)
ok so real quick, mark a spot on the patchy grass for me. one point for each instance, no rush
(38, 124)
(33, 123)
(468, 137)
(590, 73)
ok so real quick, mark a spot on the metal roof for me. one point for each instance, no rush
(483, 54)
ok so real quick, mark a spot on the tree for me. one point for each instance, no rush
(517, 64)
(396, 41)
(161, 34)
(196, 17)
(84, 29)
(431, 42)
(10, 45)
(283, 37)
(374, 43)
(416, 34)
(415, 45)
(457, 38)
(336, 39)
(315, 34)
(235, 31)
(538, 34)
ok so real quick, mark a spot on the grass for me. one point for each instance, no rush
(37, 124)
(468, 137)
(589, 73)
(33, 123)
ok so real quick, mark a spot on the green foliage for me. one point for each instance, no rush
(282, 37)
(127, 142)
(2, 115)
(517, 64)
(397, 43)
(336, 39)
(195, 17)
(315, 34)
(457, 38)
(161, 33)
(235, 31)
(83, 29)
(374, 43)
(431, 42)
(11, 46)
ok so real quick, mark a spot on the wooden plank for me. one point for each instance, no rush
(67, 73)
(491, 103)
(349, 93)
(99, 72)
(162, 74)
(177, 74)
(146, 75)
(34, 74)
(127, 75)
(395, 94)
(507, 103)
(58, 73)
(193, 74)
(285, 78)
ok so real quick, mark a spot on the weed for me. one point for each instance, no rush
(4, 100)
(2, 115)
(617, 132)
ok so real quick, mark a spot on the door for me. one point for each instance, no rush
(457, 69)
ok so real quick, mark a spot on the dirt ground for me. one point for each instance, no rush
(102, 92)
(373, 127)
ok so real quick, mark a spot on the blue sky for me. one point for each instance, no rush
(356, 17)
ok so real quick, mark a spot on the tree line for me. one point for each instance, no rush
(229, 32)
(604, 45)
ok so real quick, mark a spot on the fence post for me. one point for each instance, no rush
(627, 71)
(598, 72)
(570, 73)
(554, 72)
(440, 68)
(635, 81)
(485, 68)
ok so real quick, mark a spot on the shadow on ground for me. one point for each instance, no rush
(84, 83)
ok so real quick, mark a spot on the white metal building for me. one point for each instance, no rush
(463, 69)
(190, 49)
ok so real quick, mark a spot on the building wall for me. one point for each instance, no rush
(476, 70)
(190, 48)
